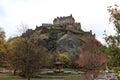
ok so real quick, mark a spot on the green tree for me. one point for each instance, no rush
(113, 41)
(14, 58)
(65, 59)
(26, 57)
(2, 47)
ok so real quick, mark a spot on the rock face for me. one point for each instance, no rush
(68, 43)
(63, 36)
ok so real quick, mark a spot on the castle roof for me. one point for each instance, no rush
(64, 18)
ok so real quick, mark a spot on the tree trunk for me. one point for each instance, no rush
(14, 73)
(28, 78)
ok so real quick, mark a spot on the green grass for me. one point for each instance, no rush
(53, 27)
(59, 75)
(10, 77)
(43, 76)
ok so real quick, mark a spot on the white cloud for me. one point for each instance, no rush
(91, 13)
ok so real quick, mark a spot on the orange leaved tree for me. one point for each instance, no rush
(90, 58)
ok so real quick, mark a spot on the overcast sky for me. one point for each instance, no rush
(92, 14)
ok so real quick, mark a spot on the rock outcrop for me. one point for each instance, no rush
(63, 36)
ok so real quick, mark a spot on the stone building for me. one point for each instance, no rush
(67, 22)
(64, 20)
(46, 24)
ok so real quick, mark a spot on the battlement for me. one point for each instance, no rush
(64, 20)
(67, 22)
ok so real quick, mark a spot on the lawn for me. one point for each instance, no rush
(43, 77)
(10, 77)
(59, 75)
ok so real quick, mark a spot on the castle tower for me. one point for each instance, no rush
(61, 21)
(68, 22)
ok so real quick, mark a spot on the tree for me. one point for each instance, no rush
(26, 57)
(22, 29)
(65, 59)
(14, 58)
(90, 58)
(113, 41)
(2, 47)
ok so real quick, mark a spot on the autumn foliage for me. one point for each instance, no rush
(90, 57)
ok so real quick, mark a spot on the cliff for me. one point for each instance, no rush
(63, 36)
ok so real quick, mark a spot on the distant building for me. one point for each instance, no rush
(46, 24)
(64, 20)
(67, 22)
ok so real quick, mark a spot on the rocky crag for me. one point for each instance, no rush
(63, 36)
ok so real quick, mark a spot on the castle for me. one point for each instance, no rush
(67, 22)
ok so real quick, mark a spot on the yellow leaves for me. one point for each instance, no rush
(2, 47)
(63, 56)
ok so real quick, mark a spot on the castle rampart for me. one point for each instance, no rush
(67, 22)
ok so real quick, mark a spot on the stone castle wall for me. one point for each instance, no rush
(64, 20)
(67, 22)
